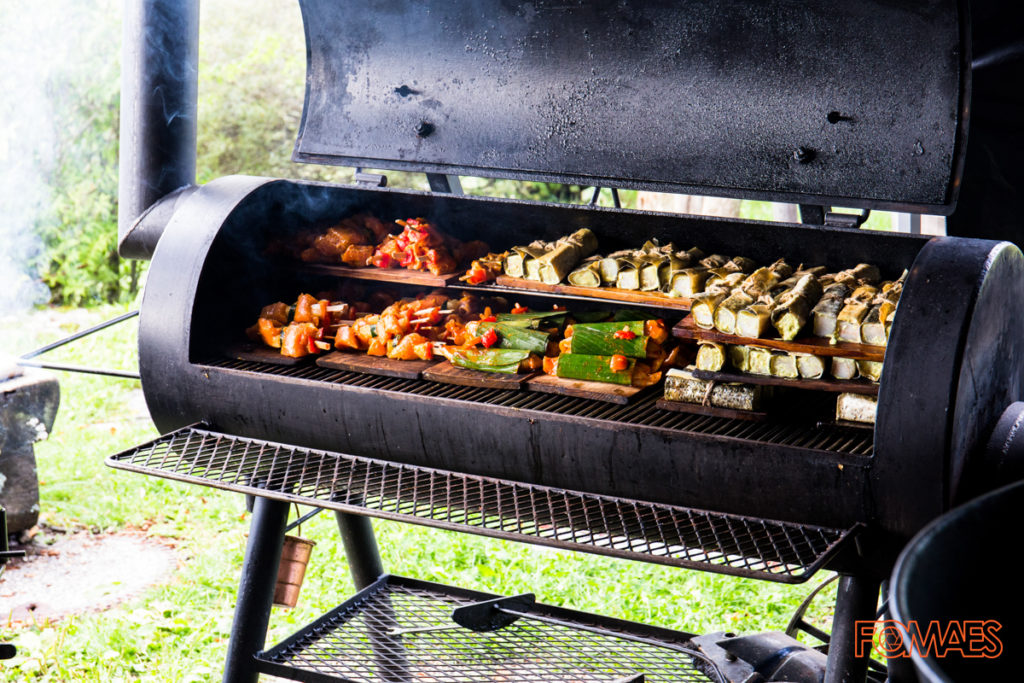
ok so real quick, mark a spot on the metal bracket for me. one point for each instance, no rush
(811, 214)
(369, 179)
(448, 184)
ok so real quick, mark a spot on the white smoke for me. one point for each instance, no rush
(40, 40)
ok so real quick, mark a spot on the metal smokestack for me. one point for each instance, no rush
(159, 90)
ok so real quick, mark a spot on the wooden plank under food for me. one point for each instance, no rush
(627, 296)
(402, 276)
(599, 391)
(446, 373)
(265, 354)
(819, 346)
(852, 386)
(374, 365)
(714, 411)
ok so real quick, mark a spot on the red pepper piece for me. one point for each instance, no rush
(488, 319)
(477, 276)
(517, 309)
(489, 338)
(618, 363)
(625, 334)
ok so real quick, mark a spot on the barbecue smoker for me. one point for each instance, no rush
(757, 100)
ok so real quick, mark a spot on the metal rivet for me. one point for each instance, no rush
(803, 154)
(424, 129)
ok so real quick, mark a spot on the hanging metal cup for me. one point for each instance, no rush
(292, 569)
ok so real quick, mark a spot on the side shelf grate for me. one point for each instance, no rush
(652, 532)
(354, 643)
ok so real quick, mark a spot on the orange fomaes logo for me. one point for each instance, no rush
(964, 638)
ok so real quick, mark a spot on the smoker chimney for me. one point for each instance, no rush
(159, 89)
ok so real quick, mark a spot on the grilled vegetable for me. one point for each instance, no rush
(872, 330)
(566, 252)
(703, 307)
(595, 368)
(856, 408)
(605, 339)
(726, 311)
(794, 307)
(689, 282)
(844, 368)
(872, 369)
(783, 365)
(739, 357)
(629, 273)
(650, 273)
(710, 356)
(827, 309)
(487, 360)
(810, 366)
(753, 321)
(760, 361)
(515, 337)
(682, 386)
(534, 320)
(587, 274)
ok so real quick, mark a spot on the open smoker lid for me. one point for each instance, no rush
(858, 103)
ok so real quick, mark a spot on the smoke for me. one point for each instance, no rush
(43, 43)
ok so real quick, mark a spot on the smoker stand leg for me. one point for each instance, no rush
(360, 548)
(857, 601)
(256, 589)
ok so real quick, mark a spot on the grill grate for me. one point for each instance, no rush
(833, 438)
(351, 643)
(663, 534)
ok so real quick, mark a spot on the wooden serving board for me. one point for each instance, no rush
(374, 365)
(397, 275)
(837, 385)
(627, 296)
(714, 411)
(447, 373)
(688, 329)
(265, 354)
(599, 391)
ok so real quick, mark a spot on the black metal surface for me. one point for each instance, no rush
(960, 568)
(631, 529)
(361, 549)
(951, 368)
(159, 93)
(856, 600)
(256, 590)
(351, 643)
(771, 100)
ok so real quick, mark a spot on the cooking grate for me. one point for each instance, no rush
(799, 434)
(659, 533)
(351, 643)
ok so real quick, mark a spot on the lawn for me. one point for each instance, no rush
(178, 631)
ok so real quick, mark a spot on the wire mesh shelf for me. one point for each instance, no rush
(354, 643)
(651, 532)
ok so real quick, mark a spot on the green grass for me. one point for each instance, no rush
(178, 631)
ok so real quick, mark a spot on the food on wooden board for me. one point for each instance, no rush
(856, 408)
(682, 386)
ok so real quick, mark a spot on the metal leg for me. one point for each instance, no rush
(857, 601)
(360, 548)
(256, 589)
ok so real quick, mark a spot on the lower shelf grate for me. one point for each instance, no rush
(352, 644)
(651, 532)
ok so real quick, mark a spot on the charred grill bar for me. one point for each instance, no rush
(663, 100)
